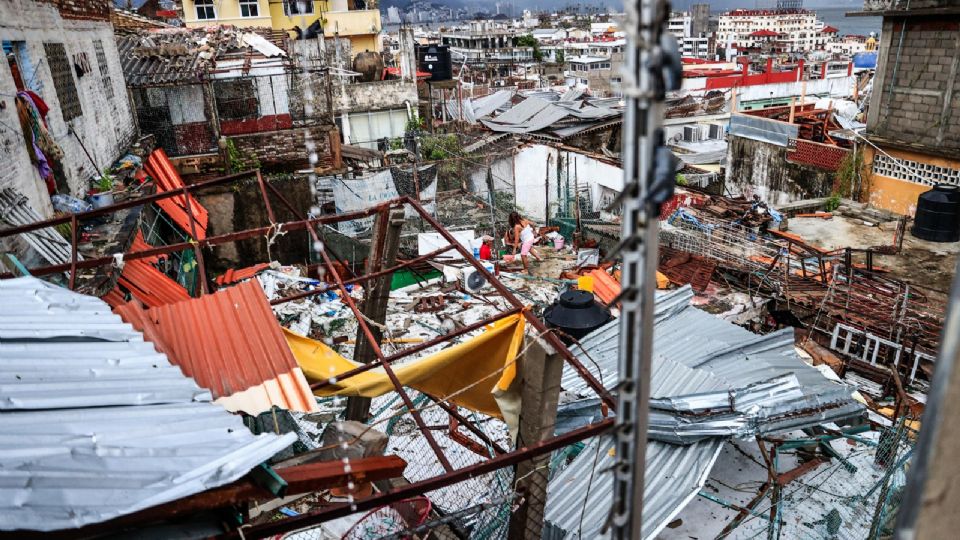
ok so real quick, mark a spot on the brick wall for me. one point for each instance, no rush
(105, 126)
(91, 10)
(286, 149)
(824, 156)
(916, 97)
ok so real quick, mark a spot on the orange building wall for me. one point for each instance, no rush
(893, 194)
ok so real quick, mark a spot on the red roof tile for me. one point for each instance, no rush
(764, 33)
(605, 286)
(167, 178)
(229, 342)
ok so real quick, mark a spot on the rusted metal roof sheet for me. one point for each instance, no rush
(232, 276)
(95, 423)
(149, 285)
(230, 342)
(167, 178)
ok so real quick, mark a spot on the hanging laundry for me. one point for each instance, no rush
(32, 111)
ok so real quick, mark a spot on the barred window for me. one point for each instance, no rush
(914, 171)
(62, 72)
(104, 71)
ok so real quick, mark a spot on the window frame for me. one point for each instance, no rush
(248, 4)
(64, 84)
(208, 6)
(311, 9)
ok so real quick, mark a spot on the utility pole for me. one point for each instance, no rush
(653, 68)
(383, 254)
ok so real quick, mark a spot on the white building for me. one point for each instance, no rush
(393, 15)
(484, 41)
(680, 25)
(797, 30)
(67, 57)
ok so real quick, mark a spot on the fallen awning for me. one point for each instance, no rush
(467, 374)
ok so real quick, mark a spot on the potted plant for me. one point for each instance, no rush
(101, 194)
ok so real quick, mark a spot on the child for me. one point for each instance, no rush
(523, 238)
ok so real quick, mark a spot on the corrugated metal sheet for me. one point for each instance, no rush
(762, 129)
(15, 210)
(95, 423)
(167, 178)
(690, 344)
(232, 276)
(149, 285)
(230, 342)
(674, 475)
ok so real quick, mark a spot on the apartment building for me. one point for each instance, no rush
(795, 30)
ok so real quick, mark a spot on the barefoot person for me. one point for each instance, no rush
(523, 238)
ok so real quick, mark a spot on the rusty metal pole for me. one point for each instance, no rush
(196, 247)
(365, 328)
(546, 333)
(383, 253)
(73, 251)
(266, 199)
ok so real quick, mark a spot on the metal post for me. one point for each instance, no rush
(73, 251)
(196, 247)
(644, 86)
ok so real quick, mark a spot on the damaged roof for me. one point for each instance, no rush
(547, 114)
(183, 55)
(95, 423)
(711, 380)
(231, 343)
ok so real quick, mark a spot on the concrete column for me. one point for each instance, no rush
(540, 371)
(383, 254)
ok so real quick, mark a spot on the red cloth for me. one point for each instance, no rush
(485, 252)
(42, 106)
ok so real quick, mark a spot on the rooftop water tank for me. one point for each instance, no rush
(576, 314)
(370, 66)
(938, 214)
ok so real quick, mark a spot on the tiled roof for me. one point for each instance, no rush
(230, 342)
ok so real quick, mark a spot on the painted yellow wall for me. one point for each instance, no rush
(897, 195)
(228, 12)
(281, 22)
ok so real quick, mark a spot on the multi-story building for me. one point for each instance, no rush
(344, 18)
(486, 42)
(913, 120)
(798, 30)
(690, 29)
(599, 74)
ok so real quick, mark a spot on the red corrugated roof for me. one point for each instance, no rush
(167, 178)
(229, 342)
(232, 276)
(764, 33)
(149, 285)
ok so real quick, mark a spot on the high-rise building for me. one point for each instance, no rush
(791, 30)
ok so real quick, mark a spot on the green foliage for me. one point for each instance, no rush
(415, 124)
(681, 180)
(439, 147)
(238, 160)
(104, 184)
(527, 40)
(396, 143)
(850, 168)
(832, 203)
(561, 58)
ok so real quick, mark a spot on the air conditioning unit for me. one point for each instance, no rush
(691, 133)
(716, 131)
(472, 280)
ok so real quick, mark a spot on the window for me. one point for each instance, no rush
(249, 8)
(297, 7)
(62, 72)
(205, 9)
(104, 72)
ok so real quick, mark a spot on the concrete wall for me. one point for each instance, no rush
(761, 168)
(534, 181)
(893, 191)
(923, 108)
(374, 96)
(105, 126)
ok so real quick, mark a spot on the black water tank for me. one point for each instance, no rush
(435, 60)
(577, 314)
(938, 214)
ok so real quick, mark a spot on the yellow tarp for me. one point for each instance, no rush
(478, 360)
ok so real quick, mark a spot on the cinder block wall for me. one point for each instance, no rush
(916, 96)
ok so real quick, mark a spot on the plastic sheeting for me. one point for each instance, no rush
(467, 374)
